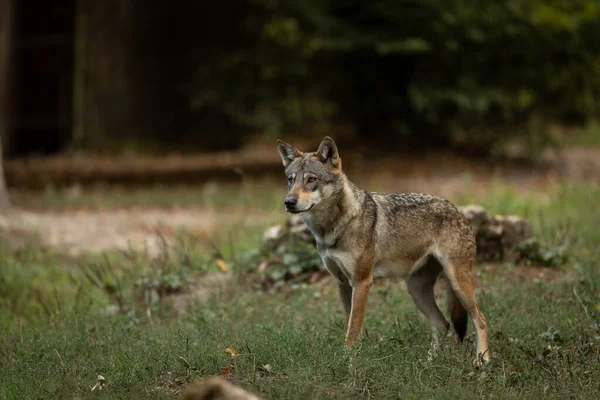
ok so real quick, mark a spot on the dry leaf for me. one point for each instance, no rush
(222, 265)
(598, 307)
(228, 370)
(232, 352)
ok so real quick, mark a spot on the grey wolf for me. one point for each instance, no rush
(361, 235)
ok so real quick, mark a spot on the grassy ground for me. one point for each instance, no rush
(60, 329)
(254, 194)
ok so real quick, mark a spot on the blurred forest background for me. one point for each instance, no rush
(131, 92)
(199, 77)
(144, 242)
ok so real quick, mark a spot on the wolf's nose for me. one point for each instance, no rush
(290, 201)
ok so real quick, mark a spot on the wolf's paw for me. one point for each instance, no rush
(482, 360)
(351, 352)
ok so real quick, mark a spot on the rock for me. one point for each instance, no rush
(498, 236)
(516, 230)
(476, 214)
(273, 234)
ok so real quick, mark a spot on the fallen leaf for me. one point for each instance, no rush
(228, 370)
(222, 265)
(598, 307)
(232, 352)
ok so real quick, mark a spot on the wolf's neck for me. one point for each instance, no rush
(328, 221)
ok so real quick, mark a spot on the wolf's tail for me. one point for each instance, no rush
(458, 314)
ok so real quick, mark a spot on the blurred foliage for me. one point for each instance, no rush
(531, 251)
(287, 256)
(465, 72)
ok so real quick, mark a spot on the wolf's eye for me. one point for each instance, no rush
(311, 179)
(289, 179)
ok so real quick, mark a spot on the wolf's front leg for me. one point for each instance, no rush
(357, 312)
(345, 291)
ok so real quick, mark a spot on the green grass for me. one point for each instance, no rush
(545, 338)
(263, 194)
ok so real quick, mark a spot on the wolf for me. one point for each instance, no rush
(361, 235)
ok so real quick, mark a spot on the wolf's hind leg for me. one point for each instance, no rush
(458, 270)
(420, 285)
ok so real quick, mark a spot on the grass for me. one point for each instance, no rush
(257, 194)
(57, 336)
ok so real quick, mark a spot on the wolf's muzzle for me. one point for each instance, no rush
(290, 202)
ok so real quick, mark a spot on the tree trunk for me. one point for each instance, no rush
(4, 67)
(4, 200)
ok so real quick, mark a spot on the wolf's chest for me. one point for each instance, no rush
(341, 264)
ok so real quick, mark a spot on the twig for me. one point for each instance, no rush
(58, 303)
(585, 310)
(21, 329)
(41, 301)
(78, 297)
(60, 358)
(366, 390)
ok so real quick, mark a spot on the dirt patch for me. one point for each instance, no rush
(78, 231)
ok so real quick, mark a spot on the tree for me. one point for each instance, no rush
(4, 51)
(4, 200)
(453, 72)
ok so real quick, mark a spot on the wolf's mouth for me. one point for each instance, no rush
(300, 211)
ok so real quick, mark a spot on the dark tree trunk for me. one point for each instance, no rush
(4, 67)
(4, 199)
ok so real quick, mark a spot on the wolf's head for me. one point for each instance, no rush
(312, 178)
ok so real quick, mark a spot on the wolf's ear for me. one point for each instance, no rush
(288, 152)
(328, 152)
